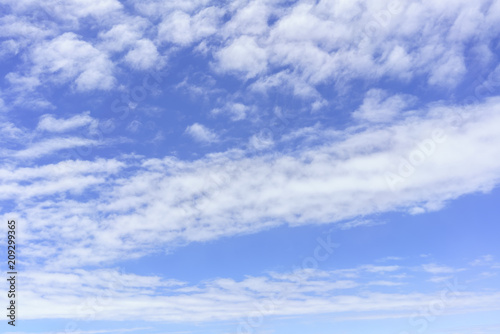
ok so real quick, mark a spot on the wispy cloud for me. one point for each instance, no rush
(50, 123)
(292, 294)
(49, 146)
(231, 193)
(201, 133)
(438, 269)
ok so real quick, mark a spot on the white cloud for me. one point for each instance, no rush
(262, 140)
(485, 260)
(73, 11)
(184, 29)
(242, 56)
(440, 279)
(334, 42)
(437, 269)
(385, 283)
(390, 258)
(8, 48)
(166, 202)
(449, 70)
(22, 82)
(201, 133)
(50, 146)
(144, 55)
(10, 131)
(357, 223)
(236, 111)
(334, 175)
(379, 106)
(101, 331)
(122, 35)
(299, 47)
(51, 124)
(64, 59)
(159, 9)
(250, 19)
(380, 269)
(22, 31)
(302, 292)
(60, 170)
(72, 177)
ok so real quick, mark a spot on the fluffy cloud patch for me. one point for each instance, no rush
(143, 56)
(201, 133)
(379, 106)
(183, 29)
(66, 58)
(243, 56)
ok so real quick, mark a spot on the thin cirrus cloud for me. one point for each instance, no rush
(51, 136)
(283, 294)
(50, 123)
(50, 146)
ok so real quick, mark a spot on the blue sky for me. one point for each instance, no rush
(261, 166)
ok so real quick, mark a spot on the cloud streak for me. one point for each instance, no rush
(170, 202)
(112, 295)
